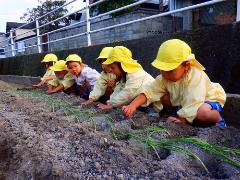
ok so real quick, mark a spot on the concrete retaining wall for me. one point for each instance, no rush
(24, 80)
(217, 48)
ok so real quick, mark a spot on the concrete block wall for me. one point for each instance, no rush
(133, 31)
(30, 42)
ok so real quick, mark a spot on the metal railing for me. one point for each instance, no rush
(88, 21)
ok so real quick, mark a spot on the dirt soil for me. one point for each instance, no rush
(39, 142)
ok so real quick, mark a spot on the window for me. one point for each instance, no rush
(2, 52)
(21, 46)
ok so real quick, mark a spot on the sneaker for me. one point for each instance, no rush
(221, 123)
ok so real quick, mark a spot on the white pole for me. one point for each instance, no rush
(12, 43)
(88, 23)
(38, 37)
(238, 11)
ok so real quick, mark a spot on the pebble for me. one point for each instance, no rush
(56, 171)
(99, 177)
(88, 159)
(105, 176)
(146, 171)
(97, 165)
(157, 173)
(82, 163)
(120, 176)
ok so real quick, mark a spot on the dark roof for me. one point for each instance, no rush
(149, 6)
(76, 16)
(13, 25)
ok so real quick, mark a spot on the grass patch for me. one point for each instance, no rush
(57, 104)
(145, 136)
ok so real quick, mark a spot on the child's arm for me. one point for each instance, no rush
(124, 93)
(99, 88)
(43, 81)
(56, 89)
(66, 83)
(104, 106)
(148, 94)
(111, 83)
(39, 84)
(88, 102)
(130, 109)
(153, 92)
(177, 120)
(109, 104)
(48, 78)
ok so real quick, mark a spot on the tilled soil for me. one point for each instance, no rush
(39, 143)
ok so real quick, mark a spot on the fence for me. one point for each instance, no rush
(88, 32)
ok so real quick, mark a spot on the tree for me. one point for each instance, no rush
(45, 7)
(111, 5)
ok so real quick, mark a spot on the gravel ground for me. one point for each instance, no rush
(38, 141)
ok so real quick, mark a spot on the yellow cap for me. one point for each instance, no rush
(74, 58)
(105, 53)
(59, 66)
(173, 53)
(49, 58)
(124, 56)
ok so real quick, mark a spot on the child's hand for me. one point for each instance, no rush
(50, 91)
(39, 84)
(177, 120)
(36, 85)
(129, 110)
(111, 83)
(104, 106)
(88, 102)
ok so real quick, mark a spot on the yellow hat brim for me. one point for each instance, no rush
(58, 69)
(105, 52)
(165, 66)
(131, 67)
(80, 61)
(73, 58)
(101, 57)
(128, 66)
(171, 66)
(197, 64)
(108, 61)
(46, 61)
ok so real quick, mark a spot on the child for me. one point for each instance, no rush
(64, 81)
(104, 85)
(184, 84)
(130, 77)
(85, 76)
(47, 61)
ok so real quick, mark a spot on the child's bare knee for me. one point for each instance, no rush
(203, 112)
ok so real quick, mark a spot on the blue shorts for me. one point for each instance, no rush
(85, 94)
(217, 106)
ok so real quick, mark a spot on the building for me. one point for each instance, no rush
(220, 13)
(23, 36)
(2, 44)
